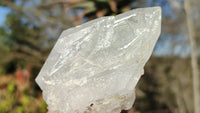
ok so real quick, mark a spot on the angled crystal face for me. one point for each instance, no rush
(95, 67)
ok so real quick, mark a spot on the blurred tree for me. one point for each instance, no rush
(194, 59)
(94, 8)
(24, 36)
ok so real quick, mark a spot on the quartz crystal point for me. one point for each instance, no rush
(95, 67)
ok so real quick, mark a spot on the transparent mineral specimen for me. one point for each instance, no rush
(95, 67)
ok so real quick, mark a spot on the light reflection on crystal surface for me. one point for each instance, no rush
(95, 67)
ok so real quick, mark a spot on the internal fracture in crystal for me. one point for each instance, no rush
(94, 67)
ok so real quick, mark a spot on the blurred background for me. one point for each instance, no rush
(30, 28)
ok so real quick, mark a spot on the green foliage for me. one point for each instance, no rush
(19, 98)
(3, 42)
(11, 87)
(19, 109)
(25, 100)
(6, 105)
(43, 107)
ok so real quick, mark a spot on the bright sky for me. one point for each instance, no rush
(3, 12)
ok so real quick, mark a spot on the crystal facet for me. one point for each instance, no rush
(94, 67)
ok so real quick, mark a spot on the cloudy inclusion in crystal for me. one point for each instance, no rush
(94, 68)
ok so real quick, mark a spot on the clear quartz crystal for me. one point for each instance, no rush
(94, 67)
